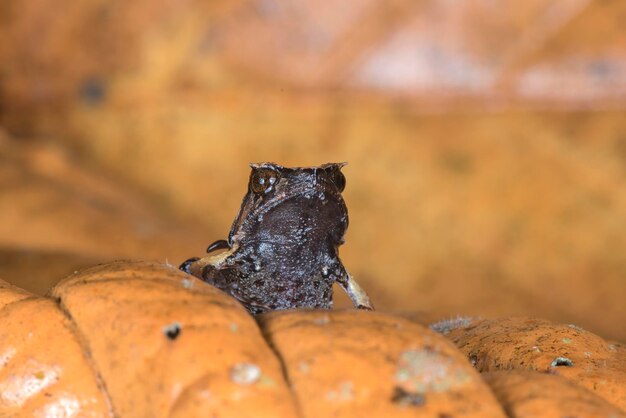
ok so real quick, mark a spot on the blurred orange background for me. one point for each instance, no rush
(486, 140)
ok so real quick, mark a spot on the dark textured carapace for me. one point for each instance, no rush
(281, 251)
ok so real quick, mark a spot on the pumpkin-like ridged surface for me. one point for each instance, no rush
(356, 363)
(142, 339)
(10, 293)
(526, 394)
(536, 344)
(44, 370)
(167, 344)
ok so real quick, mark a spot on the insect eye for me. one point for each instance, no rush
(262, 180)
(339, 179)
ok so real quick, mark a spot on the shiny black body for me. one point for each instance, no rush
(282, 246)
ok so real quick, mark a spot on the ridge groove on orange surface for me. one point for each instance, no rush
(519, 343)
(10, 293)
(44, 371)
(285, 372)
(23, 299)
(529, 394)
(84, 344)
(355, 363)
(169, 345)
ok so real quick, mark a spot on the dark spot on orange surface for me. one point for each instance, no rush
(403, 397)
(457, 162)
(172, 331)
(562, 361)
(92, 91)
(473, 359)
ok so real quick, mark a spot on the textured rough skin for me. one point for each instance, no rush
(519, 343)
(282, 246)
(529, 394)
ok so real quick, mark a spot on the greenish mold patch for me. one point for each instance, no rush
(424, 370)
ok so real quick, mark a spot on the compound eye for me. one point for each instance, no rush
(262, 180)
(339, 179)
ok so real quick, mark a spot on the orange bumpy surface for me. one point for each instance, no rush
(537, 344)
(140, 339)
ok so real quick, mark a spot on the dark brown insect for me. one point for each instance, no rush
(281, 251)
